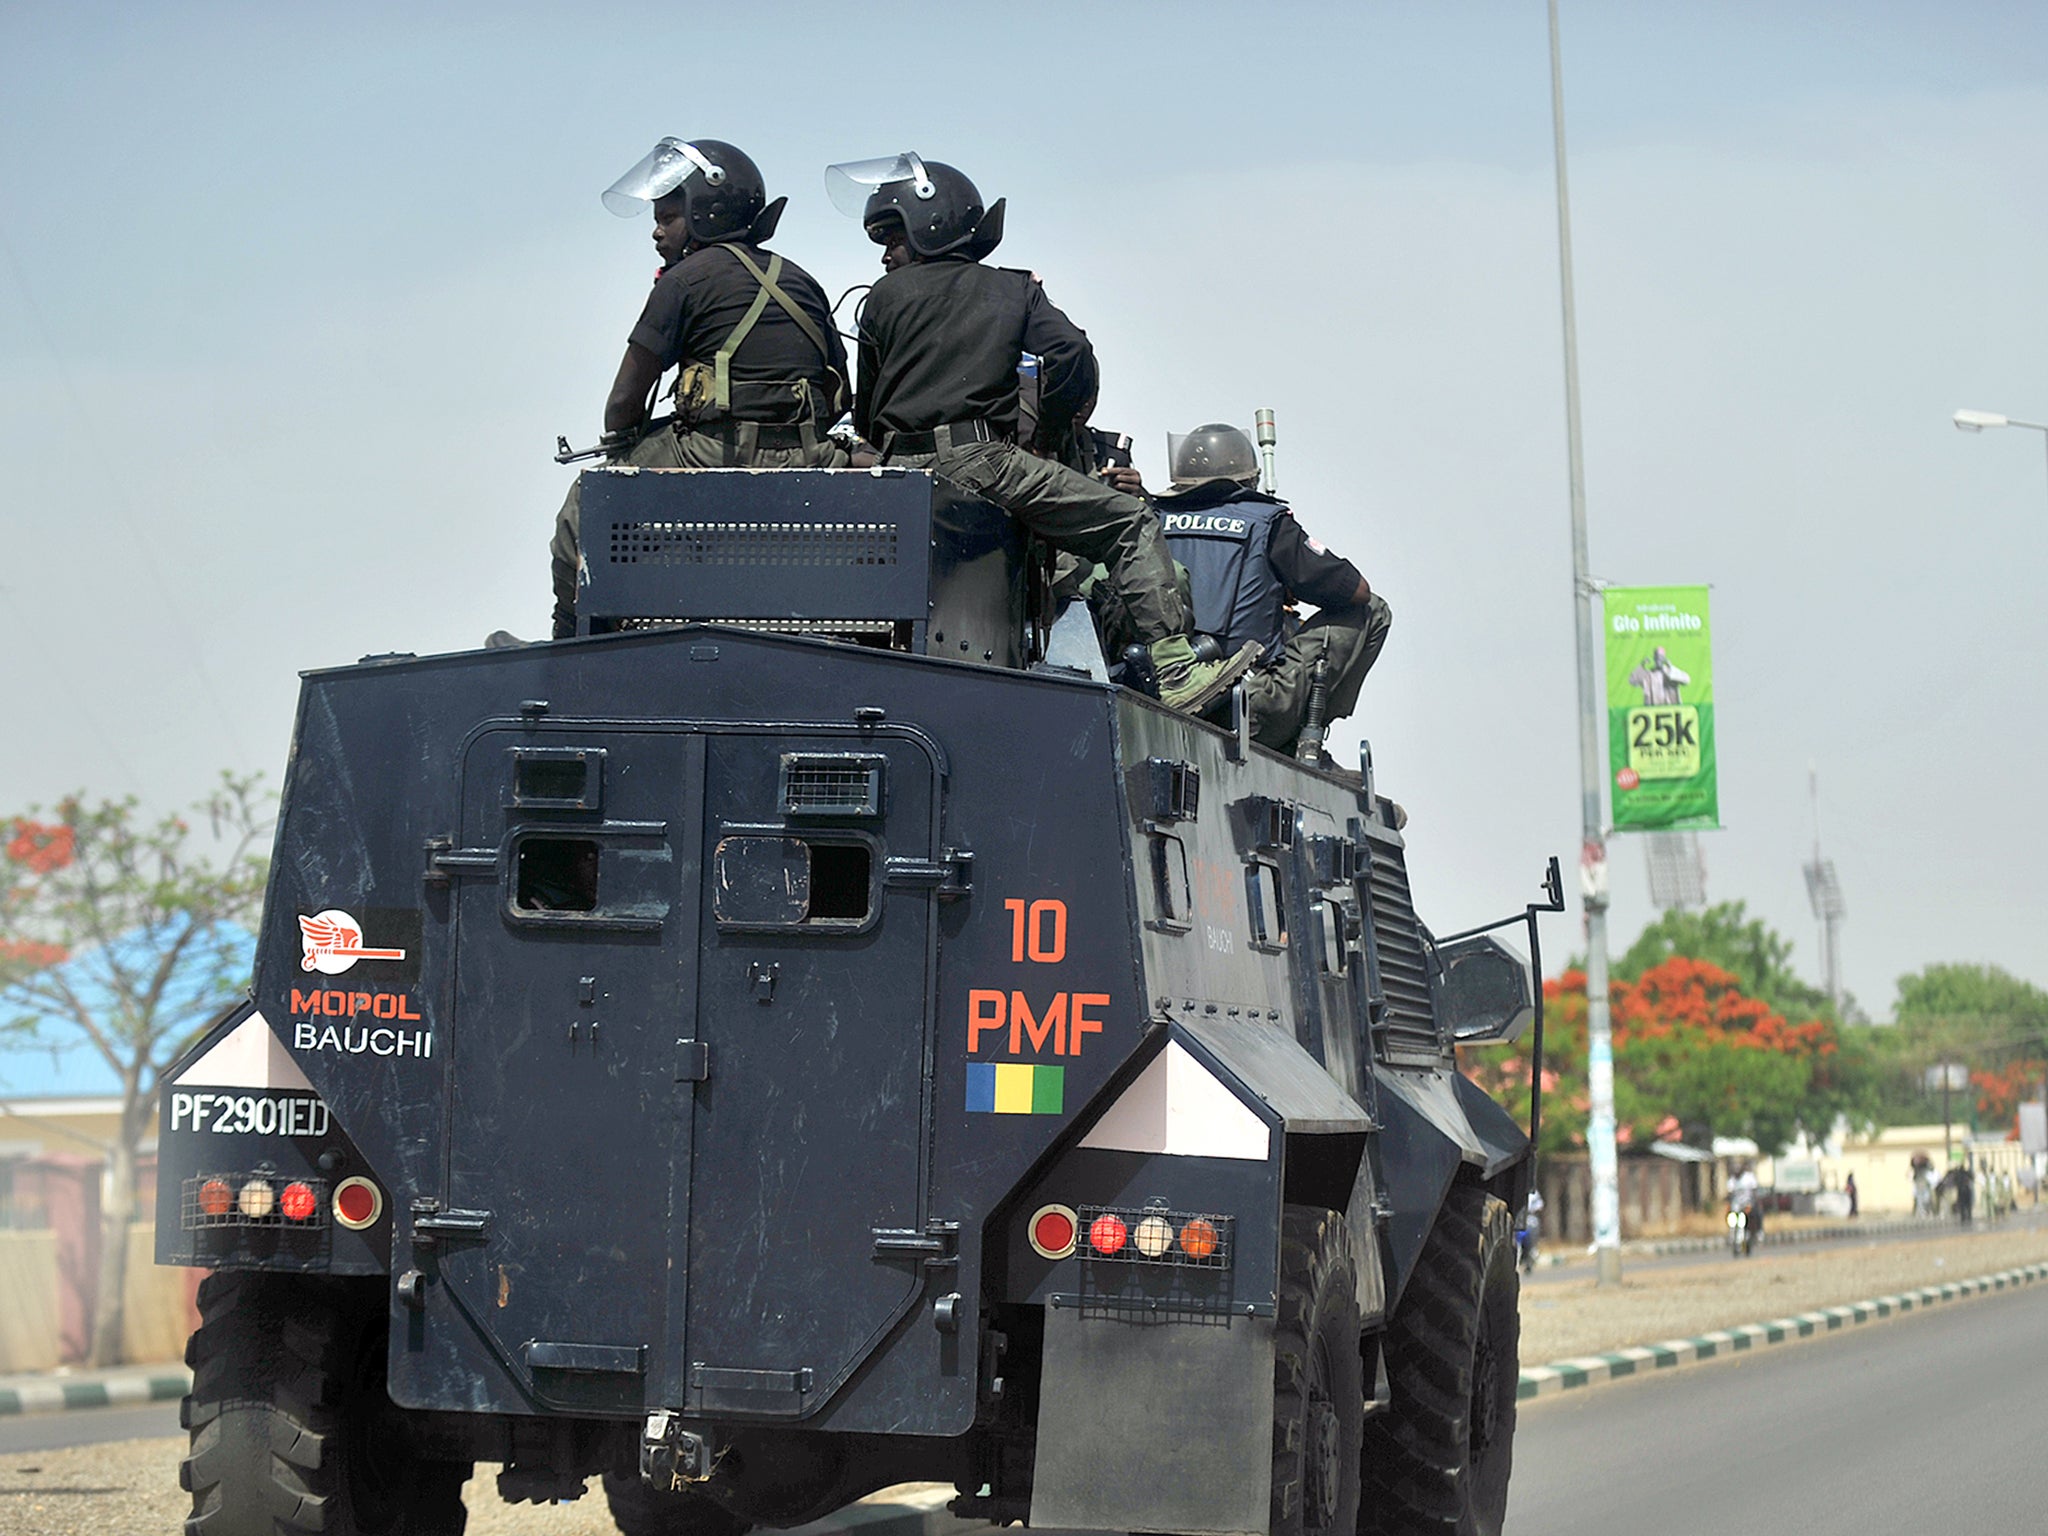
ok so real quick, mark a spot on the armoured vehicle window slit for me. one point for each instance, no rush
(1173, 892)
(555, 874)
(1268, 911)
(762, 882)
(557, 779)
(842, 876)
(1336, 955)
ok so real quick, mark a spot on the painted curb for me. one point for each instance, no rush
(1591, 1370)
(99, 1392)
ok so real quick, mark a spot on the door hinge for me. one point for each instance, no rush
(950, 875)
(431, 1224)
(693, 1061)
(445, 860)
(938, 1243)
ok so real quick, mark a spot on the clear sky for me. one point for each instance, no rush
(294, 300)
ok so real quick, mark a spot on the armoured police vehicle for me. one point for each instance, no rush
(813, 1032)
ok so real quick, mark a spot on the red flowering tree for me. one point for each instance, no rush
(124, 938)
(1694, 1057)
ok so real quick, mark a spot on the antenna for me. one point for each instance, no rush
(1824, 894)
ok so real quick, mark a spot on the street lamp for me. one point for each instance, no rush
(1977, 421)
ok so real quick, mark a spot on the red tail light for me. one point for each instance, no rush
(1106, 1234)
(357, 1203)
(298, 1202)
(1052, 1231)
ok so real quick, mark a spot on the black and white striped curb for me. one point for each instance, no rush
(1590, 1370)
(96, 1391)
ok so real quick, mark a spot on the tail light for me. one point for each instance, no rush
(1052, 1231)
(255, 1199)
(1106, 1234)
(357, 1203)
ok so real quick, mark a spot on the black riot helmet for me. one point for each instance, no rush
(938, 208)
(1217, 451)
(723, 195)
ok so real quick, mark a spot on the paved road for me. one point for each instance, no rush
(87, 1426)
(1932, 1422)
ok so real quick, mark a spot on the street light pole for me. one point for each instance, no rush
(1593, 855)
(1977, 421)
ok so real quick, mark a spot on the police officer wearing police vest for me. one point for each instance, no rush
(1246, 558)
(940, 338)
(762, 369)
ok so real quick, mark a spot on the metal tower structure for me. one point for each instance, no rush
(1824, 893)
(1678, 872)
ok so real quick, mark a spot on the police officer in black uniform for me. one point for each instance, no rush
(763, 371)
(1246, 558)
(940, 338)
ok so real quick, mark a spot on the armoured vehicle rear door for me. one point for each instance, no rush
(568, 1131)
(818, 918)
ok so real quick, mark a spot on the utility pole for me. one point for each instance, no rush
(1593, 853)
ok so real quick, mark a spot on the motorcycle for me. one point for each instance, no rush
(1741, 1239)
(1525, 1241)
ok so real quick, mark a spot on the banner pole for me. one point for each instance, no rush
(1593, 854)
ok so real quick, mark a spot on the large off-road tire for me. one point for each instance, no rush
(1437, 1460)
(640, 1510)
(1318, 1379)
(292, 1431)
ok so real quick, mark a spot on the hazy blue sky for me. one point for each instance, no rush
(292, 303)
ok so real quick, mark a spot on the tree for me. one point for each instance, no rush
(1695, 1057)
(1982, 1016)
(1756, 955)
(127, 936)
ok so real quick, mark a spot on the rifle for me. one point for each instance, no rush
(610, 443)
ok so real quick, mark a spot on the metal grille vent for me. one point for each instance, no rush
(1170, 1286)
(1407, 1030)
(194, 1217)
(692, 543)
(830, 784)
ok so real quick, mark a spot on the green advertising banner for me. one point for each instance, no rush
(1660, 709)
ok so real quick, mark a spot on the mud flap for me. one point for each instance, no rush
(1154, 1426)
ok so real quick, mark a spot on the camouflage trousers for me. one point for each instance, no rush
(662, 447)
(1278, 691)
(1078, 514)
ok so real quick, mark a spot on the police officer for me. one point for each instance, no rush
(1246, 557)
(940, 339)
(763, 371)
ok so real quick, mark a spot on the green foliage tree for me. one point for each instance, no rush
(127, 936)
(1694, 1055)
(1750, 950)
(1980, 1015)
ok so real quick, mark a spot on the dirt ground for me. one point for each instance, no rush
(1576, 1317)
(131, 1489)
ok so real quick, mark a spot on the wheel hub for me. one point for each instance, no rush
(1321, 1471)
(1485, 1392)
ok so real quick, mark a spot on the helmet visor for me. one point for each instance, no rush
(660, 171)
(852, 182)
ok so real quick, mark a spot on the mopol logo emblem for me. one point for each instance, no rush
(334, 941)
